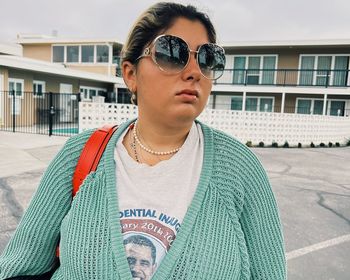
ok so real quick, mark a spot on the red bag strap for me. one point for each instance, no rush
(91, 154)
(90, 157)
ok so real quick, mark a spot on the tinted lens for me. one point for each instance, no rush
(171, 53)
(211, 60)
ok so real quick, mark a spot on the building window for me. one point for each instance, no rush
(73, 54)
(304, 106)
(58, 54)
(323, 70)
(309, 106)
(236, 103)
(336, 108)
(315, 107)
(16, 87)
(38, 88)
(87, 54)
(340, 74)
(306, 70)
(265, 104)
(81, 54)
(102, 53)
(253, 73)
(254, 70)
(86, 93)
(259, 104)
(253, 103)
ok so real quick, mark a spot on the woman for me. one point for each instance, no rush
(171, 198)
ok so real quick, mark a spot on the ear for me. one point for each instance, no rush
(129, 75)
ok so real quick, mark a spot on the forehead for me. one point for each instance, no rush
(192, 31)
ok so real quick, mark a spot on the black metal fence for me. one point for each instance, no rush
(45, 113)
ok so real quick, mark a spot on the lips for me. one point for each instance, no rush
(188, 92)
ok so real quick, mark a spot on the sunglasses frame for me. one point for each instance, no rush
(149, 52)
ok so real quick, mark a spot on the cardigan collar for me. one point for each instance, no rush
(188, 221)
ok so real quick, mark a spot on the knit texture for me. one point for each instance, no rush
(231, 230)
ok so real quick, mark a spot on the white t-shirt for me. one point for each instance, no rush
(153, 201)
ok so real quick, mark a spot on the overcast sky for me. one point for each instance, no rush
(235, 20)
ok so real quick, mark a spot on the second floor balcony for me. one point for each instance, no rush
(286, 77)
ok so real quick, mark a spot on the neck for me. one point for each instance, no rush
(162, 136)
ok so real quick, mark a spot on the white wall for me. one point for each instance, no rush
(244, 126)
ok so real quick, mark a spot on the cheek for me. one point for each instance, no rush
(207, 88)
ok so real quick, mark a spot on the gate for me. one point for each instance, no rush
(45, 113)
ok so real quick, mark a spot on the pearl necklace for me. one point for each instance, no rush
(149, 150)
(133, 147)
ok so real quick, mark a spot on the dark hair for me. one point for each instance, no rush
(157, 19)
(142, 241)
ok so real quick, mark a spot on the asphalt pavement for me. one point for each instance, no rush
(312, 188)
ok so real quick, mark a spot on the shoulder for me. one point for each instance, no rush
(75, 144)
(71, 150)
(79, 139)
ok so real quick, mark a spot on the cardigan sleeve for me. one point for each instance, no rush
(261, 223)
(31, 250)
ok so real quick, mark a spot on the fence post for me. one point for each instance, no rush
(51, 113)
(13, 111)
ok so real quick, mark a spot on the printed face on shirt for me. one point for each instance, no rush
(140, 261)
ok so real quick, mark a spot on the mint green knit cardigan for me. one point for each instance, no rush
(230, 231)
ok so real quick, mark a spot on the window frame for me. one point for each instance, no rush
(16, 80)
(261, 63)
(43, 85)
(93, 54)
(64, 53)
(79, 54)
(328, 105)
(88, 88)
(259, 97)
(314, 76)
(94, 63)
(108, 55)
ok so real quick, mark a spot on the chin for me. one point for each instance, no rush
(187, 115)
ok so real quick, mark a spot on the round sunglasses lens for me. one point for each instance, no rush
(170, 53)
(211, 60)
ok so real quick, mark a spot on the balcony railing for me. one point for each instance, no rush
(285, 77)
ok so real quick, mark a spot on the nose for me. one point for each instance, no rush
(192, 71)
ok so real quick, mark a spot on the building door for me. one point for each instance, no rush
(65, 102)
(16, 87)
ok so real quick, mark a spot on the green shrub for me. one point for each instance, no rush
(274, 144)
(249, 144)
(312, 145)
(322, 145)
(337, 144)
(261, 144)
(330, 144)
(299, 145)
(286, 144)
(348, 143)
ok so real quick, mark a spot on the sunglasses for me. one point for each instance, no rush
(172, 54)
